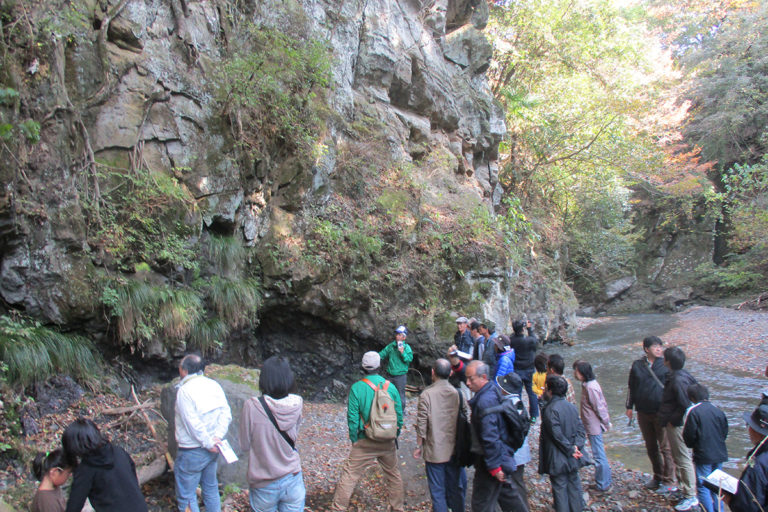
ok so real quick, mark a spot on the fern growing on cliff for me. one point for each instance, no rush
(32, 352)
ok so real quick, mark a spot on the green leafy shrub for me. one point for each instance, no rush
(141, 217)
(274, 82)
(31, 352)
(738, 275)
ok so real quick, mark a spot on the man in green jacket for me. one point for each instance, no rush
(366, 451)
(399, 356)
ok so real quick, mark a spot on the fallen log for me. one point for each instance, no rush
(413, 389)
(131, 408)
(154, 469)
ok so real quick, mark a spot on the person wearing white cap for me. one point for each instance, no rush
(463, 339)
(366, 451)
(399, 356)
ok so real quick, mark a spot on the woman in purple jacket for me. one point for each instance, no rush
(594, 415)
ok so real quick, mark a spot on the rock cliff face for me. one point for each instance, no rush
(674, 247)
(402, 169)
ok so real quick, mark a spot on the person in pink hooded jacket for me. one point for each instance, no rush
(594, 415)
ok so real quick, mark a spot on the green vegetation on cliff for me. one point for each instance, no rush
(31, 352)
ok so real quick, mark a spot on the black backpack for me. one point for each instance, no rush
(462, 450)
(515, 418)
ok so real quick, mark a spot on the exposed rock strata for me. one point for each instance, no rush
(417, 66)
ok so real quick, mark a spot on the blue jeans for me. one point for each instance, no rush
(447, 486)
(285, 494)
(527, 377)
(707, 498)
(196, 466)
(602, 468)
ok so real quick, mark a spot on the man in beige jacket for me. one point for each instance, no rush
(436, 436)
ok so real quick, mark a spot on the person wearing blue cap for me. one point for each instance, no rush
(399, 356)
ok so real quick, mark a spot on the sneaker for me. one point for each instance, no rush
(533, 420)
(666, 489)
(652, 484)
(687, 504)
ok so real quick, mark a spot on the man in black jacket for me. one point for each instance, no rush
(705, 428)
(562, 439)
(525, 351)
(495, 459)
(674, 402)
(646, 382)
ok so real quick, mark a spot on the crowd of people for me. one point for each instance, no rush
(473, 413)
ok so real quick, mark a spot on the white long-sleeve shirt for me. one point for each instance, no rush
(202, 412)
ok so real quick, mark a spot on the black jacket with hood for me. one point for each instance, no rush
(106, 476)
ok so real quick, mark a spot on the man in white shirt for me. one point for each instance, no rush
(202, 420)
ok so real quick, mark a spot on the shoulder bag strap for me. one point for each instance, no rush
(274, 422)
(653, 374)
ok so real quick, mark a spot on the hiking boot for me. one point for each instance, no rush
(665, 489)
(687, 504)
(652, 484)
(595, 489)
(675, 495)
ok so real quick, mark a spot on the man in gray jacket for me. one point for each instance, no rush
(436, 436)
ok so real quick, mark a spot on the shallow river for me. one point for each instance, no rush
(612, 345)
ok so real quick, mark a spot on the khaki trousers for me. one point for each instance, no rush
(363, 454)
(686, 475)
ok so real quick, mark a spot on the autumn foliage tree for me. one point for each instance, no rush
(577, 79)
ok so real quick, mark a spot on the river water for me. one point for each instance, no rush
(611, 346)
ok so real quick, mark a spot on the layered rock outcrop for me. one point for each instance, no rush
(139, 90)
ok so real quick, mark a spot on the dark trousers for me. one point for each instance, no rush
(566, 492)
(657, 447)
(399, 382)
(516, 479)
(447, 486)
(487, 491)
(533, 402)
